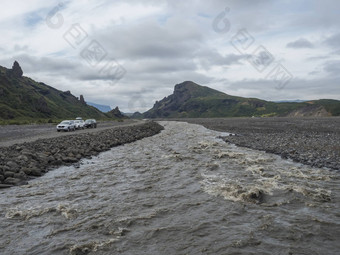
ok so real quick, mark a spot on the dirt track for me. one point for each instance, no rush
(17, 134)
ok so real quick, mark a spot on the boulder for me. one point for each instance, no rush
(69, 160)
(21, 175)
(27, 171)
(8, 174)
(22, 158)
(35, 172)
(12, 181)
(12, 164)
(4, 186)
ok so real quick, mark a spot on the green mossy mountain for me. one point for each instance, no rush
(22, 98)
(191, 100)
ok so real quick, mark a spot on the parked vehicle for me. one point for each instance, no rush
(66, 125)
(90, 123)
(80, 124)
(79, 118)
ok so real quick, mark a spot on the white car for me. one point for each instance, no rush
(80, 124)
(66, 125)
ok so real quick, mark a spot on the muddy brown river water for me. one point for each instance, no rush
(184, 191)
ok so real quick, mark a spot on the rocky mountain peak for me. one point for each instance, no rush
(185, 87)
(115, 113)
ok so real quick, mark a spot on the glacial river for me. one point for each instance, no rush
(184, 191)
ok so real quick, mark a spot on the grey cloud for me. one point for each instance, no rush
(317, 58)
(71, 70)
(32, 64)
(163, 66)
(314, 73)
(177, 38)
(209, 58)
(159, 50)
(321, 15)
(297, 88)
(216, 58)
(300, 43)
(333, 41)
(333, 68)
(337, 52)
(19, 48)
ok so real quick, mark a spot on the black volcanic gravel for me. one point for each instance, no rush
(311, 141)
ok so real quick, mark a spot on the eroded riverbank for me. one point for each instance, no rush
(21, 162)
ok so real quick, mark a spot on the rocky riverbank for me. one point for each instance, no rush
(311, 141)
(22, 162)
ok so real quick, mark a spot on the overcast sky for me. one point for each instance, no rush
(132, 53)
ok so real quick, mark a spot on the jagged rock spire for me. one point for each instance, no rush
(16, 69)
(81, 99)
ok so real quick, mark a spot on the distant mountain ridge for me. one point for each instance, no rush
(190, 100)
(290, 101)
(100, 107)
(22, 98)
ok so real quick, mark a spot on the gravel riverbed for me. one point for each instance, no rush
(311, 141)
(23, 161)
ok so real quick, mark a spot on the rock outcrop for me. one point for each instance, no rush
(116, 113)
(42, 106)
(81, 99)
(310, 111)
(16, 70)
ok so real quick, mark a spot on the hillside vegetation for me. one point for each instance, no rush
(23, 100)
(191, 100)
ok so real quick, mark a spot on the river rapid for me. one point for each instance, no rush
(183, 191)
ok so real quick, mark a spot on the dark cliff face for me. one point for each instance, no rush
(182, 92)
